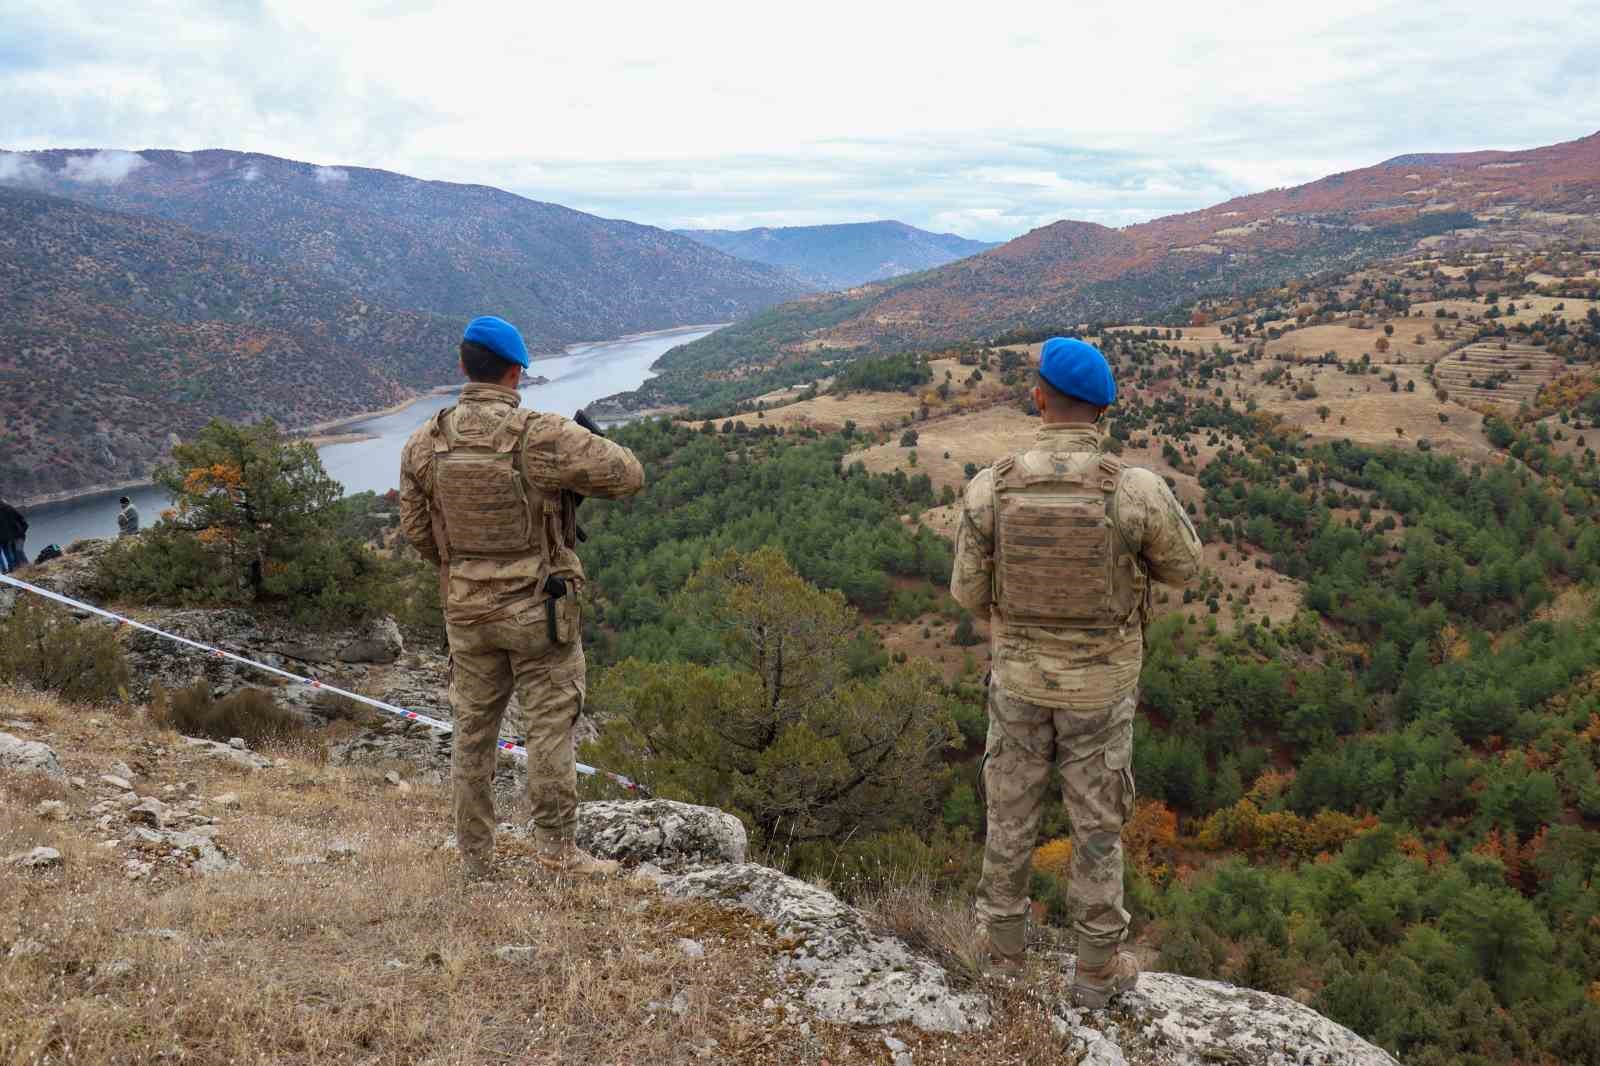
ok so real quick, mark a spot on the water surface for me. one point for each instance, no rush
(584, 374)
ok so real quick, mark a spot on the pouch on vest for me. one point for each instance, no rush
(482, 495)
(1060, 560)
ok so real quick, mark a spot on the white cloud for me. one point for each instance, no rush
(1028, 111)
(20, 169)
(331, 175)
(251, 172)
(101, 168)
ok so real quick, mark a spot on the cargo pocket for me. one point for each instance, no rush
(1119, 761)
(568, 617)
(570, 679)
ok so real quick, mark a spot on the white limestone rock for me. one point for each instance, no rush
(28, 756)
(1184, 1021)
(671, 835)
(245, 758)
(857, 975)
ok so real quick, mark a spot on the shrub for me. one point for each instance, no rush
(46, 648)
(250, 713)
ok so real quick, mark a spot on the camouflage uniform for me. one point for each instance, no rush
(495, 612)
(1065, 695)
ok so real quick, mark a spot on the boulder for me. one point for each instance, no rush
(28, 756)
(856, 975)
(36, 859)
(1197, 1023)
(240, 757)
(378, 641)
(149, 811)
(673, 836)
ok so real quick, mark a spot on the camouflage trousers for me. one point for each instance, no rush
(1093, 750)
(489, 660)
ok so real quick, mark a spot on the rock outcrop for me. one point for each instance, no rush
(29, 756)
(673, 836)
(849, 971)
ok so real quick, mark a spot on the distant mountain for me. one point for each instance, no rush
(142, 293)
(118, 331)
(561, 275)
(842, 256)
(1075, 272)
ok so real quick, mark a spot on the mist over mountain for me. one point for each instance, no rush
(144, 292)
(845, 255)
(561, 275)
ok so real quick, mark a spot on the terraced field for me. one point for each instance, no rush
(1505, 376)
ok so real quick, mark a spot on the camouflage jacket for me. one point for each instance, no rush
(1081, 669)
(558, 454)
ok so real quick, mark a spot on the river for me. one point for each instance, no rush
(587, 372)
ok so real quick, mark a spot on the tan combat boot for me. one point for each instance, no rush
(1003, 948)
(568, 858)
(1094, 985)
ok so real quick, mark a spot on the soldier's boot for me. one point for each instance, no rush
(1004, 946)
(1095, 983)
(568, 858)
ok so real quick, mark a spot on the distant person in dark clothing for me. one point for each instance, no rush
(13, 531)
(127, 518)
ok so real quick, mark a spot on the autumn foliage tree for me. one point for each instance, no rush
(250, 492)
(255, 517)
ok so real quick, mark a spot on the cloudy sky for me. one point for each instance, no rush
(983, 119)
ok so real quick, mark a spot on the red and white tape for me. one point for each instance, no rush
(517, 750)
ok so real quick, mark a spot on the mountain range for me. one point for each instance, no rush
(146, 291)
(842, 256)
(1068, 273)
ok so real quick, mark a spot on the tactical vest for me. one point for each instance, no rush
(488, 508)
(1060, 559)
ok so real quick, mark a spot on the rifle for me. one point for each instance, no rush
(575, 499)
(556, 587)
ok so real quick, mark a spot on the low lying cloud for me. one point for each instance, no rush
(331, 175)
(19, 169)
(251, 172)
(101, 168)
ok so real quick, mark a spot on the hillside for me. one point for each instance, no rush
(842, 256)
(298, 900)
(144, 293)
(118, 331)
(1069, 272)
(561, 275)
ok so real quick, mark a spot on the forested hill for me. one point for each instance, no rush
(842, 256)
(1071, 272)
(561, 275)
(118, 331)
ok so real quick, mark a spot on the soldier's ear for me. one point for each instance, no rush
(1038, 399)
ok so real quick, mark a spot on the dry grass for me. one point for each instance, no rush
(383, 957)
(250, 713)
(978, 437)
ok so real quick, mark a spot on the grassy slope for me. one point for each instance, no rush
(384, 958)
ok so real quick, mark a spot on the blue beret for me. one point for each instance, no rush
(1078, 369)
(500, 337)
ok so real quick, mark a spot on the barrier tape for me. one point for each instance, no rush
(516, 750)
